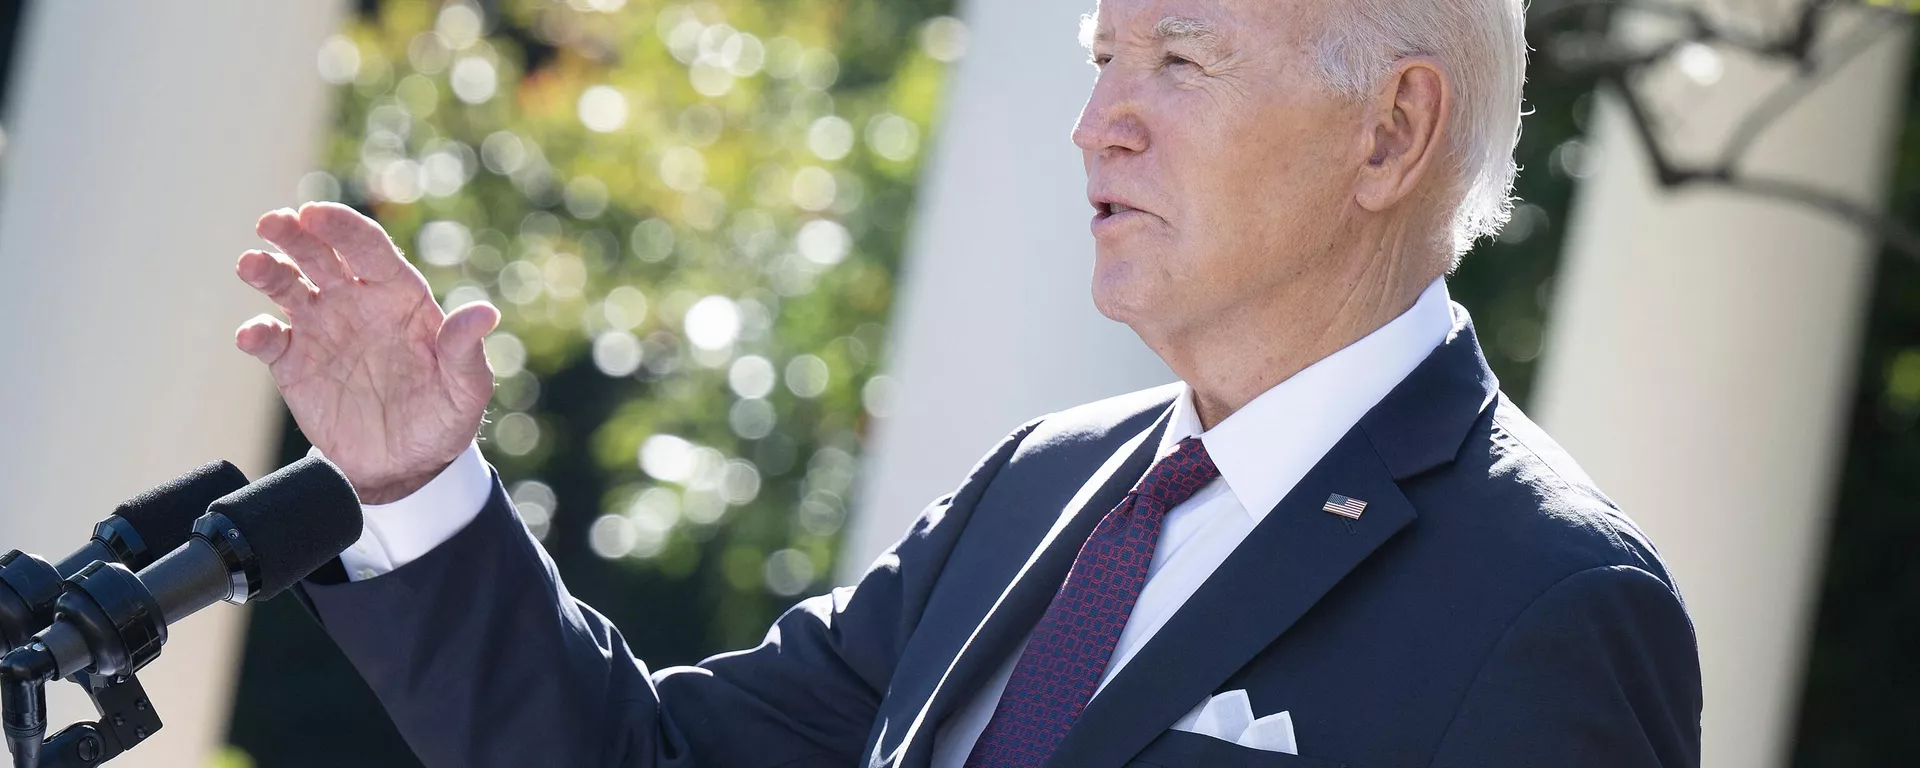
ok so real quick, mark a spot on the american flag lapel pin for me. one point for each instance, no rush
(1345, 507)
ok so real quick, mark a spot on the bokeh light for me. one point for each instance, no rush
(713, 323)
(537, 504)
(807, 376)
(668, 458)
(603, 108)
(751, 376)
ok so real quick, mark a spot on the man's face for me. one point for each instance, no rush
(1209, 121)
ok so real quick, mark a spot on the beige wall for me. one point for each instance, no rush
(143, 140)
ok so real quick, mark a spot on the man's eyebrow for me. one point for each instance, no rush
(1179, 27)
(1169, 28)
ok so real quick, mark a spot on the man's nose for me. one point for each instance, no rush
(1111, 119)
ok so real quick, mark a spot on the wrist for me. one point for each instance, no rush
(392, 490)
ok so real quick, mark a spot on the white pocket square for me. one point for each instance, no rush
(1229, 717)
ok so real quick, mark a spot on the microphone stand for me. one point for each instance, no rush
(110, 615)
(127, 716)
(126, 719)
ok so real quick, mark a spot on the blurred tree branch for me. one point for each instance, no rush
(1594, 48)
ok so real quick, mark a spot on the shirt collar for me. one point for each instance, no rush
(1264, 448)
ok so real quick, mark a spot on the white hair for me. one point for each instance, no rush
(1482, 45)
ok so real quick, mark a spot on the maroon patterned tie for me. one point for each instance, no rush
(1064, 660)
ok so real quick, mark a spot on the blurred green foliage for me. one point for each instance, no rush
(701, 202)
(691, 215)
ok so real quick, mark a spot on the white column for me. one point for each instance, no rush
(996, 322)
(1699, 364)
(144, 139)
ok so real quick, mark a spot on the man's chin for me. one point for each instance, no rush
(1134, 289)
(1117, 298)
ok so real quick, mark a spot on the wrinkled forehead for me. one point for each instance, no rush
(1267, 22)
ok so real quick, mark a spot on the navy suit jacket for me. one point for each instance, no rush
(1489, 608)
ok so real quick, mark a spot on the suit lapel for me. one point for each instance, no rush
(1287, 564)
(1023, 601)
(1290, 560)
(1294, 557)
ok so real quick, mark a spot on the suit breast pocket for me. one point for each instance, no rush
(1181, 749)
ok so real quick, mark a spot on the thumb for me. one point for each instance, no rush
(459, 344)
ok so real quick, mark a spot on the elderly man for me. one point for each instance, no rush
(1333, 543)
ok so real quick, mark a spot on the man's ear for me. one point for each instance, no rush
(1408, 123)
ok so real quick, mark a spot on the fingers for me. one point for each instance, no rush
(278, 278)
(459, 344)
(317, 261)
(360, 241)
(264, 337)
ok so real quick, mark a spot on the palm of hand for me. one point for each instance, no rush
(386, 385)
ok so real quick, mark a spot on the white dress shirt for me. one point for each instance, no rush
(1262, 450)
(399, 533)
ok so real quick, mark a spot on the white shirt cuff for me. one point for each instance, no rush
(403, 531)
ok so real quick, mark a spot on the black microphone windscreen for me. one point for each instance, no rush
(163, 516)
(294, 520)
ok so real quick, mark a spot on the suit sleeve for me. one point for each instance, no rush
(1601, 670)
(482, 658)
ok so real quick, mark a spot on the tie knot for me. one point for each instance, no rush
(1179, 475)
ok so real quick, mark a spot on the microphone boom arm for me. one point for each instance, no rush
(127, 716)
(126, 719)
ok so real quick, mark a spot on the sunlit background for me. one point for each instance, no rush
(774, 273)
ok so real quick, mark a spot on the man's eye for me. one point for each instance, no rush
(1100, 60)
(1175, 61)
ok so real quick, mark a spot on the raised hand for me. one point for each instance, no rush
(388, 386)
